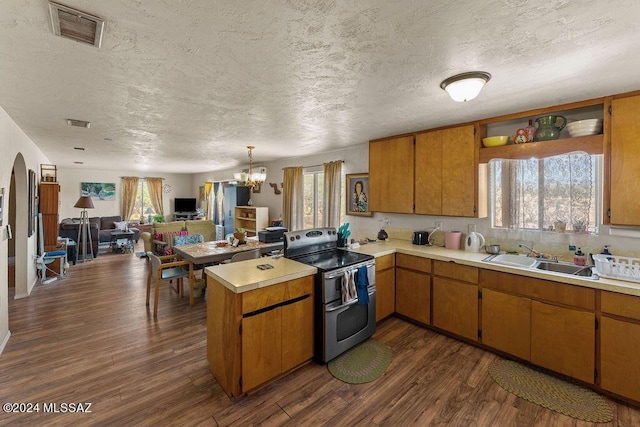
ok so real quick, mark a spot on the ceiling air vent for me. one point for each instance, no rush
(76, 25)
(79, 123)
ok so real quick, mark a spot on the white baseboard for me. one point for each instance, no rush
(5, 341)
(20, 296)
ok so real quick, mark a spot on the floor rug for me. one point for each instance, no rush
(550, 392)
(361, 364)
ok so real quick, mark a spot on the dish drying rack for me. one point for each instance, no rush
(618, 267)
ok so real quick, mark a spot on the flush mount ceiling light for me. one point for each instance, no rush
(466, 86)
(76, 25)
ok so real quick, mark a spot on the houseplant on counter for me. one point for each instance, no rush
(240, 234)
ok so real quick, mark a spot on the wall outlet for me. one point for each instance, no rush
(572, 247)
(439, 224)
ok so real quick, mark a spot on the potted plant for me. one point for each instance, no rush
(560, 226)
(240, 234)
(158, 218)
(579, 226)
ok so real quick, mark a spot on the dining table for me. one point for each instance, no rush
(217, 251)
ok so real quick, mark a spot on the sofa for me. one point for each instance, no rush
(167, 231)
(100, 230)
(108, 224)
(69, 228)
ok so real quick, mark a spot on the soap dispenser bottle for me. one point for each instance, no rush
(605, 251)
(579, 258)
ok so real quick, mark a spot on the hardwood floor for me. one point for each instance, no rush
(90, 338)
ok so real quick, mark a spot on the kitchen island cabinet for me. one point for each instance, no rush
(258, 334)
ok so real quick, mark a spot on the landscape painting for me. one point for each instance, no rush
(99, 190)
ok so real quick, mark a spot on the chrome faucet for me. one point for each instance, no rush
(532, 253)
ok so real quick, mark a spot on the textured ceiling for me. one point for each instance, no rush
(184, 86)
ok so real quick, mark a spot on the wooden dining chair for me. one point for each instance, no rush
(242, 256)
(168, 267)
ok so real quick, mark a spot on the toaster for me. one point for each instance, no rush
(420, 238)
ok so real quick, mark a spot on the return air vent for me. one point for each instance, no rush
(79, 123)
(76, 25)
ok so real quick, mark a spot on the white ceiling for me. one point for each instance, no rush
(184, 86)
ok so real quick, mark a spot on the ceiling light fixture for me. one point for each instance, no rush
(466, 86)
(250, 179)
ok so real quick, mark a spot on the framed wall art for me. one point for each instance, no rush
(357, 194)
(98, 190)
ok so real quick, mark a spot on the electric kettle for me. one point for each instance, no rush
(475, 242)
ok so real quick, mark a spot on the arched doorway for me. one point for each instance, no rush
(18, 221)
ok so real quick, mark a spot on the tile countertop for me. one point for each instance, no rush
(391, 246)
(246, 276)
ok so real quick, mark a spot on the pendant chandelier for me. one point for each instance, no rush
(250, 179)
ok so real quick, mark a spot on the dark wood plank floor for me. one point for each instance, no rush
(90, 338)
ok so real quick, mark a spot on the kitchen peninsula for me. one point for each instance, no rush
(259, 321)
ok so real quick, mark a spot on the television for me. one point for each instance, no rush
(184, 205)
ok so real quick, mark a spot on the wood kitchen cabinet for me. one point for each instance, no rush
(255, 336)
(391, 168)
(447, 179)
(506, 323)
(562, 322)
(625, 162)
(413, 287)
(385, 286)
(455, 299)
(432, 173)
(620, 344)
(563, 340)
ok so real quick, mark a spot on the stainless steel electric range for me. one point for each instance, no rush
(339, 324)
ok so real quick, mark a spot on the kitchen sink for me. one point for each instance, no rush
(538, 264)
(571, 269)
(512, 260)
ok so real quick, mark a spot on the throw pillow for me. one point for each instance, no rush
(120, 225)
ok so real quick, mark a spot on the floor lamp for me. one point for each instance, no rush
(84, 232)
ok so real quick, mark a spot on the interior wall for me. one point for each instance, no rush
(70, 180)
(14, 144)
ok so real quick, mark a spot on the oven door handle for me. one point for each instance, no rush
(342, 306)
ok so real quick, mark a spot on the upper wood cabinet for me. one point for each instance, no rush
(446, 176)
(391, 166)
(439, 174)
(625, 161)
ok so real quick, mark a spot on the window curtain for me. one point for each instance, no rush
(219, 199)
(208, 186)
(539, 194)
(154, 185)
(129, 193)
(293, 198)
(332, 194)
